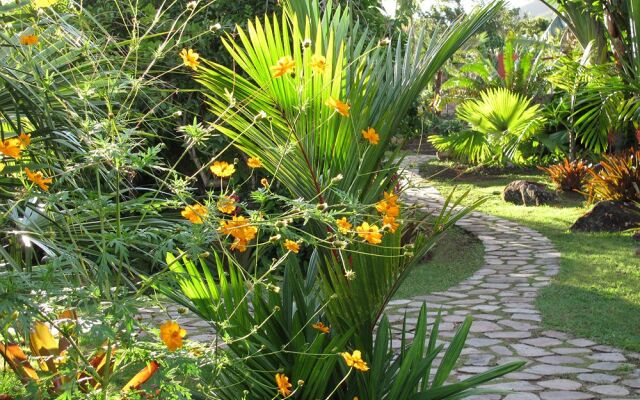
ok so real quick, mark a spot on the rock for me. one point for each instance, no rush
(527, 193)
(609, 216)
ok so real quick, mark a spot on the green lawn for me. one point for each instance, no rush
(597, 293)
(455, 257)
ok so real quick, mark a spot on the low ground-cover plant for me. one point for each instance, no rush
(569, 176)
(617, 178)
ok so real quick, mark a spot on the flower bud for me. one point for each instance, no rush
(215, 27)
(260, 115)
(350, 275)
(384, 42)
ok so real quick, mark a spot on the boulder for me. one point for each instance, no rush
(609, 216)
(527, 193)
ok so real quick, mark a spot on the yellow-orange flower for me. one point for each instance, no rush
(25, 139)
(318, 63)
(38, 178)
(240, 228)
(171, 334)
(292, 246)
(371, 135)
(28, 40)
(321, 327)
(355, 360)
(391, 197)
(344, 226)
(370, 233)
(389, 205)
(190, 58)
(240, 245)
(222, 169)
(338, 106)
(264, 182)
(226, 204)
(284, 66)
(254, 162)
(195, 213)
(391, 223)
(284, 387)
(11, 147)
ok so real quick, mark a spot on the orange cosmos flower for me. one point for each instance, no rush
(241, 230)
(190, 58)
(371, 135)
(240, 245)
(284, 66)
(284, 387)
(38, 178)
(195, 213)
(226, 205)
(390, 221)
(25, 140)
(11, 148)
(370, 233)
(321, 327)
(28, 40)
(344, 226)
(318, 63)
(292, 246)
(389, 205)
(338, 106)
(355, 360)
(391, 197)
(171, 334)
(222, 169)
(254, 162)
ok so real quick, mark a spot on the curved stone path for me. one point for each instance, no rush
(501, 298)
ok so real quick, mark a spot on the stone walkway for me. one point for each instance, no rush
(501, 298)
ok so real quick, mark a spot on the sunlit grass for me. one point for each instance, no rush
(455, 257)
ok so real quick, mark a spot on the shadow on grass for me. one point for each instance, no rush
(604, 318)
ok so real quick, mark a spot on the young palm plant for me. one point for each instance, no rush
(501, 124)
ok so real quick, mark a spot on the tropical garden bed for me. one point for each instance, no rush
(240, 162)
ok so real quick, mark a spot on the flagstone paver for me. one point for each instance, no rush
(501, 298)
